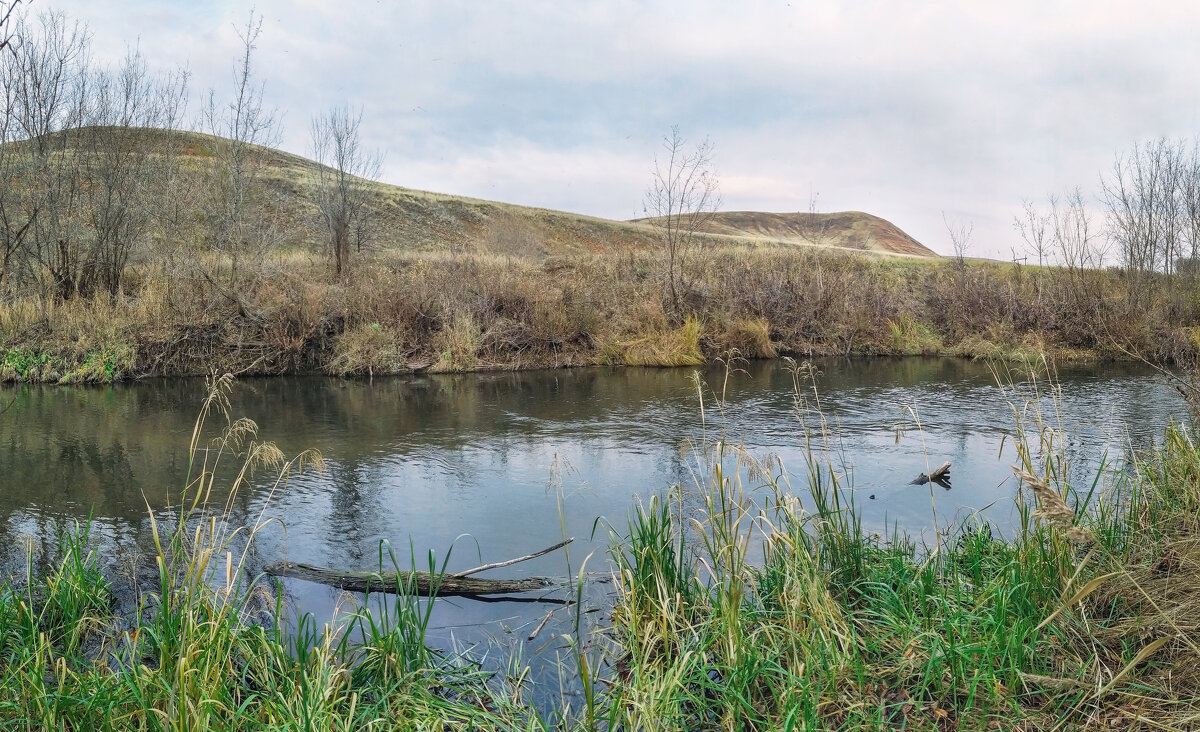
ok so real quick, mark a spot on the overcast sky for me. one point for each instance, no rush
(904, 109)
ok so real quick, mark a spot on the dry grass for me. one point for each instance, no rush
(742, 337)
(458, 344)
(368, 349)
(677, 347)
(487, 311)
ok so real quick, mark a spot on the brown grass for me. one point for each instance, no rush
(483, 311)
(677, 347)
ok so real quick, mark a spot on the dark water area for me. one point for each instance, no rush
(492, 466)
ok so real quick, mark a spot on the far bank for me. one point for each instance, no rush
(398, 313)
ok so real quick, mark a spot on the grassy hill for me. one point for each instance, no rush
(416, 220)
(846, 229)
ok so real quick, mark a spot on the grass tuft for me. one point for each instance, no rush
(678, 347)
(912, 338)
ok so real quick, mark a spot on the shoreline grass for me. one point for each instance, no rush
(744, 602)
(1083, 620)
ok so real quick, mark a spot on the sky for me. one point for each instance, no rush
(919, 112)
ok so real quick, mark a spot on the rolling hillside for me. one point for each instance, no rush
(423, 221)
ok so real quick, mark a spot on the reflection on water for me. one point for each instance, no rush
(513, 460)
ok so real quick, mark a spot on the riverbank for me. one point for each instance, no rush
(400, 313)
(745, 601)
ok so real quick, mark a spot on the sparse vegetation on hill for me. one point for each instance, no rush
(287, 191)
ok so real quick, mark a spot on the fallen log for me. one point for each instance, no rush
(420, 583)
(939, 475)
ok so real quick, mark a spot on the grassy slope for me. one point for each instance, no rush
(415, 220)
(843, 230)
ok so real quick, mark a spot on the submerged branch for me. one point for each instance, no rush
(940, 475)
(419, 583)
(497, 565)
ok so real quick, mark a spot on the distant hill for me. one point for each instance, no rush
(423, 221)
(847, 229)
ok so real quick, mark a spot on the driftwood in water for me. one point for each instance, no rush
(939, 475)
(420, 583)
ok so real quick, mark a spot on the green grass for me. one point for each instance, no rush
(191, 662)
(106, 364)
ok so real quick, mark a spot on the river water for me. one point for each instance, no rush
(491, 466)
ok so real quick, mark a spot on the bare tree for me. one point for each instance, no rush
(1133, 193)
(175, 193)
(342, 194)
(960, 236)
(242, 124)
(1071, 232)
(18, 210)
(814, 227)
(75, 166)
(7, 35)
(124, 162)
(47, 78)
(1145, 199)
(683, 196)
(1032, 224)
(1190, 206)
